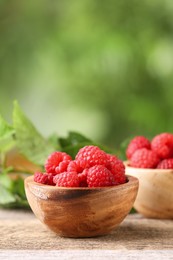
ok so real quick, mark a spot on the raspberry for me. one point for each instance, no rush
(136, 143)
(91, 155)
(83, 178)
(74, 166)
(57, 162)
(99, 176)
(82, 174)
(144, 158)
(66, 179)
(163, 145)
(117, 168)
(62, 167)
(166, 164)
(43, 178)
(92, 167)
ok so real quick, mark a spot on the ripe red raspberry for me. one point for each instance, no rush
(136, 143)
(165, 164)
(74, 166)
(144, 158)
(66, 179)
(99, 176)
(89, 156)
(163, 145)
(43, 178)
(82, 174)
(117, 168)
(57, 162)
(62, 167)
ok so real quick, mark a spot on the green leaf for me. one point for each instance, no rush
(6, 135)
(6, 196)
(75, 141)
(133, 211)
(5, 129)
(17, 204)
(12, 192)
(53, 140)
(18, 188)
(73, 138)
(72, 150)
(29, 141)
(6, 181)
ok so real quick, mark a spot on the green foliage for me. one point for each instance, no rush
(6, 135)
(5, 130)
(74, 141)
(5, 196)
(31, 144)
(12, 193)
(28, 140)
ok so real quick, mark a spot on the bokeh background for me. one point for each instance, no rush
(102, 68)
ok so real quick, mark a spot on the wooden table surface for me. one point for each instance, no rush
(22, 235)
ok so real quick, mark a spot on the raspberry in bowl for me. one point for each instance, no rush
(153, 166)
(89, 196)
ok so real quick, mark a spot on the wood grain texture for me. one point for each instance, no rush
(86, 254)
(81, 212)
(22, 231)
(155, 194)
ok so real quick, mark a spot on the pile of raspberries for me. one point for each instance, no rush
(92, 167)
(157, 153)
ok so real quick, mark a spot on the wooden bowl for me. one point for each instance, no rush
(81, 212)
(155, 194)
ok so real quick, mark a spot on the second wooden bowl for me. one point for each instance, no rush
(155, 195)
(81, 212)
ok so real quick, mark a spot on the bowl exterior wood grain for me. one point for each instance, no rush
(81, 212)
(155, 194)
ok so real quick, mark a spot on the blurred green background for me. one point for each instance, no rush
(102, 68)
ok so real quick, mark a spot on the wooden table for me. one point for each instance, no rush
(23, 236)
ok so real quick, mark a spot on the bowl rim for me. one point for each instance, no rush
(155, 170)
(131, 180)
